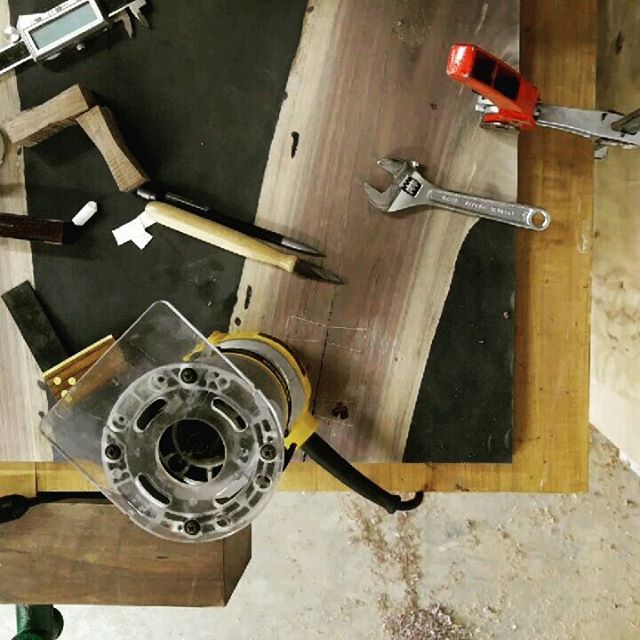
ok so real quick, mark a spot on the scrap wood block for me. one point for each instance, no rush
(34, 325)
(32, 126)
(92, 554)
(100, 125)
(18, 478)
(66, 374)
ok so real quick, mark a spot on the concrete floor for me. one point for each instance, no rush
(464, 566)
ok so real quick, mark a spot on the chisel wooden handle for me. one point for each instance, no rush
(218, 235)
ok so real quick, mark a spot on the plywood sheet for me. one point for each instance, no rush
(20, 397)
(615, 340)
(378, 89)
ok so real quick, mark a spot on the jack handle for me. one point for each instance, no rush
(513, 99)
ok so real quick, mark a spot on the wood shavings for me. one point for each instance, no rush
(433, 622)
(397, 556)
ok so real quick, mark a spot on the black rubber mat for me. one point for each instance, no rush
(198, 98)
(464, 411)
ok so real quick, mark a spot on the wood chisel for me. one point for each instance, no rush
(153, 193)
(217, 235)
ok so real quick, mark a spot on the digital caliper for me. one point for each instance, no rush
(42, 36)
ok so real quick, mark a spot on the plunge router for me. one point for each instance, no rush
(189, 435)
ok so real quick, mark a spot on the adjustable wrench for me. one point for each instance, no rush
(410, 189)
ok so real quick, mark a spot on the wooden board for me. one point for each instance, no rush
(33, 126)
(100, 125)
(20, 397)
(58, 553)
(553, 286)
(65, 374)
(367, 343)
(558, 48)
(615, 338)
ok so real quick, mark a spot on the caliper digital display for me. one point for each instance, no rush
(39, 37)
(68, 23)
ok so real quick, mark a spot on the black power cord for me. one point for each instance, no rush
(330, 460)
(13, 507)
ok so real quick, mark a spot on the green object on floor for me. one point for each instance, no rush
(38, 622)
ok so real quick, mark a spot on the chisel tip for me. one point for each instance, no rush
(300, 247)
(316, 272)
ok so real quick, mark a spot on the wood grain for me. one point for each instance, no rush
(100, 125)
(553, 279)
(18, 478)
(379, 89)
(59, 553)
(558, 49)
(35, 125)
(20, 397)
(64, 375)
(615, 339)
(22, 227)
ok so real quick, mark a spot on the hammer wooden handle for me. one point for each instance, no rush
(218, 235)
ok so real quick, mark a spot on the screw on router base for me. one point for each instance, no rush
(188, 375)
(268, 453)
(113, 452)
(192, 527)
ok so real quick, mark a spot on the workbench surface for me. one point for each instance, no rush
(558, 48)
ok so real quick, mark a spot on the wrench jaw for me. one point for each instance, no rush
(397, 168)
(407, 184)
(382, 200)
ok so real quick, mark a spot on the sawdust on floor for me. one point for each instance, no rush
(397, 556)
(557, 567)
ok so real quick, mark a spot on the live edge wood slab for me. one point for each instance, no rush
(366, 344)
(558, 48)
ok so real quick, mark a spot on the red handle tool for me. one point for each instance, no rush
(514, 99)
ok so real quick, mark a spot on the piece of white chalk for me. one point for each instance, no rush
(126, 232)
(142, 239)
(85, 214)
